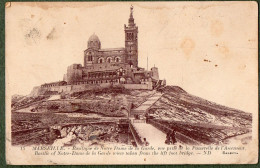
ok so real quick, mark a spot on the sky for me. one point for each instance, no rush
(207, 48)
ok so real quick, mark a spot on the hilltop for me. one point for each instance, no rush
(197, 118)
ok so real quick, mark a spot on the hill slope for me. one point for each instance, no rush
(198, 118)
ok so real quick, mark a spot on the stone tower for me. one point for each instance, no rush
(131, 41)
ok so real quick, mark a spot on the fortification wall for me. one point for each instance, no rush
(66, 88)
(74, 73)
(138, 86)
(83, 87)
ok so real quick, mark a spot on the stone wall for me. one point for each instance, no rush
(42, 90)
(66, 88)
(106, 54)
(74, 73)
(147, 86)
(83, 87)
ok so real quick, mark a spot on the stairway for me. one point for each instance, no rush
(145, 106)
(144, 130)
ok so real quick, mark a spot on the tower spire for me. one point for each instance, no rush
(131, 40)
(131, 11)
(131, 21)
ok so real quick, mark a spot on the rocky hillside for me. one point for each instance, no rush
(111, 102)
(198, 118)
(178, 105)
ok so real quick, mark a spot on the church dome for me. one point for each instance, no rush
(94, 42)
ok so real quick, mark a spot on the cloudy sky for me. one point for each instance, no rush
(207, 48)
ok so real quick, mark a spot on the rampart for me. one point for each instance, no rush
(84, 87)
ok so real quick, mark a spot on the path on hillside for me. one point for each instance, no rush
(29, 104)
(154, 136)
(22, 107)
(142, 109)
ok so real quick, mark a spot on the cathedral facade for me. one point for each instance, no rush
(112, 65)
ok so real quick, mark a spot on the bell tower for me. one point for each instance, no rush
(131, 41)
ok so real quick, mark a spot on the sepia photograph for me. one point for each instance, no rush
(131, 83)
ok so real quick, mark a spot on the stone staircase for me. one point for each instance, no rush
(154, 132)
(145, 106)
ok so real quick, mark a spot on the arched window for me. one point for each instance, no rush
(101, 60)
(131, 64)
(130, 36)
(109, 59)
(118, 59)
(90, 58)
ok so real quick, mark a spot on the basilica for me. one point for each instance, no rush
(111, 65)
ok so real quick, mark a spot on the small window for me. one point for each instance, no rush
(101, 60)
(117, 59)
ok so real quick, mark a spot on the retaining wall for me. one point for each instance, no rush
(138, 86)
(83, 87)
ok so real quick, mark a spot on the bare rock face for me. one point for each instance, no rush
(37, 91)
(199, 119)
(74, 134)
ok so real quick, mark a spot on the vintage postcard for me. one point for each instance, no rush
(103, 83)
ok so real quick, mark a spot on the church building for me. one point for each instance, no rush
(111, 65)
